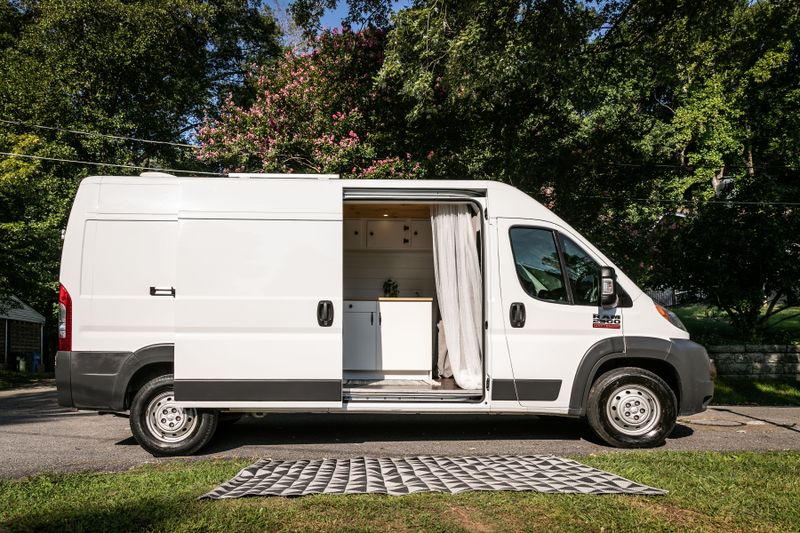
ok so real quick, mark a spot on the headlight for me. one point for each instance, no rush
(671, 317)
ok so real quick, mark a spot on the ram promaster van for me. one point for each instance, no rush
(190, 301)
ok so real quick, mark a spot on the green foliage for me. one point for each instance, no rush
(373, 14)
(755, 392)
(710, 325)
(315, 111)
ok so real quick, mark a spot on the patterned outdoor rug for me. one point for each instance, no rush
(407, 475)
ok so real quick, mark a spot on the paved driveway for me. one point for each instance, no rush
(36, 435)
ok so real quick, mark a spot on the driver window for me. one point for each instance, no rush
(583, 273)
(537, 263)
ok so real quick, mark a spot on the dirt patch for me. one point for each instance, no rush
(679, 516)
(466, 518)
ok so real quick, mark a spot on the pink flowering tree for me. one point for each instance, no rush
(316, 111)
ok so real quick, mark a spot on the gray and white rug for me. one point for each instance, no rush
(408, 475)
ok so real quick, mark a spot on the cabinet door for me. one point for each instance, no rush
(405, 337)
(388, 234)
(421, 236)
(360, 340)
(353, 234)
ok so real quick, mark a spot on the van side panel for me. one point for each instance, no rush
(123, 260)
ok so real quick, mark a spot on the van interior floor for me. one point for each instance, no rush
(417, 390)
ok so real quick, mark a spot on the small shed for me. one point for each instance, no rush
(21, 337)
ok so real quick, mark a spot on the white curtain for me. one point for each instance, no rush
(458, 287)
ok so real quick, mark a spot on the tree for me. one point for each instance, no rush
(717, 156)
(316, 111)
(368, 14)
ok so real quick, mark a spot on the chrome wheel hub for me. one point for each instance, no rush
(166, 421)
(633, 410)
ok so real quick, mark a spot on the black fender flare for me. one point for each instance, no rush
(155, 353)
(614, 348)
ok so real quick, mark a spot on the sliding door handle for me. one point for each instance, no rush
(162, 291)
(325, 313)
(517, 315)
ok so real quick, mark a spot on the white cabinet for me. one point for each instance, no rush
(405, 341)
(421, 235)
(353, 238)
(388, 339)
(388, 234)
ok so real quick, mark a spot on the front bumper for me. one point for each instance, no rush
(694, 372)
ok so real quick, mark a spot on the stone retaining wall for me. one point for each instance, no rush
(764, 361)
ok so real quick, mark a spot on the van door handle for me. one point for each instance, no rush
(325, 313)
(162, 291)
(517, 315)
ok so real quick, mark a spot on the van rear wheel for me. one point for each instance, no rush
(163, 428)
(632, 408)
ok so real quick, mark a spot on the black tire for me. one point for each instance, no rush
(191, 429)
(632, 408)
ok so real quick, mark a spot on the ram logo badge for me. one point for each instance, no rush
(606, 321)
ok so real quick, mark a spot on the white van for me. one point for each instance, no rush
(190, 301)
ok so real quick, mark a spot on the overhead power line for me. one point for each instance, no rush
(681, 202)
(97, 134)
(117, 165)
(695, 202)
(691, 168)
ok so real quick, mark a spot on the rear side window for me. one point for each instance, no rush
(538, 264)
(583, 273)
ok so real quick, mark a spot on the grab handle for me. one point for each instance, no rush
(162, 291)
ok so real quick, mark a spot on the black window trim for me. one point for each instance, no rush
(624, 298)
(564, 279)
(564, 268)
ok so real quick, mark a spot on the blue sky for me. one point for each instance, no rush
(333, 18)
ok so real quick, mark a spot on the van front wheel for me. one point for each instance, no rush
(631, 408)
(163, 428)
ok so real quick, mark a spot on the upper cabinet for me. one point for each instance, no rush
(353, 237)
(421, 236)
(387, 234)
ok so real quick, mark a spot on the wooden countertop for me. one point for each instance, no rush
(405, 299)
(386, 299)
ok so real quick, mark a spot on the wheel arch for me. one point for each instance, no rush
(145, 364)
(648, 353)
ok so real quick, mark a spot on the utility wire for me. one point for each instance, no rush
(690, 168)
(696, 202)
(118, 165)
(96, 134)
(682, 202)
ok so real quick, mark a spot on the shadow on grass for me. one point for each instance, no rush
(145, 514)
(755, 392)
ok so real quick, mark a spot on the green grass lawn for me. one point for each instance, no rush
(709, 491)
(709, 326)
(9, 379)
(756, 392)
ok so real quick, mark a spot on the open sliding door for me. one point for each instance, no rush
(259, 294)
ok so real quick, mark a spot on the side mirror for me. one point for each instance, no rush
(608, 288)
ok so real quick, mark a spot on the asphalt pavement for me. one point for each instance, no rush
(36, 435)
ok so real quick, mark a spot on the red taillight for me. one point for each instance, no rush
(64, 319)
